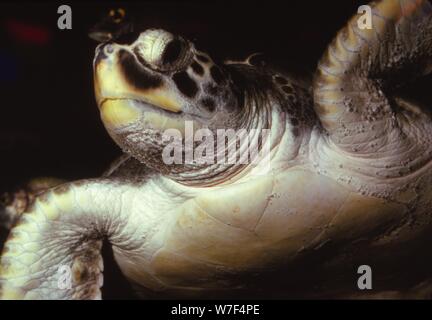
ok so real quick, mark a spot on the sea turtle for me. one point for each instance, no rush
(346, 181)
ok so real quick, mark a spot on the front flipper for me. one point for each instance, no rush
(53, 252)
(13, 204)
(355, 77)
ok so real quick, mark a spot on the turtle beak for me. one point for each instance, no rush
(114, 91)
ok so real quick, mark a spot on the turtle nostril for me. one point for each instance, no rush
(108, 49)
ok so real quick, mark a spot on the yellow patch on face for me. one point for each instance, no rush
(106, 81)
(160, 98)
(109, 82)
(117, 113)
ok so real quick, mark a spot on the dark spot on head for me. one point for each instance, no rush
(135, 74)
(172, 51)
(288, 89)
(209, 104)
(185, 84)
(296, 132)
(216, 74)
(196, 67)
(202, 58)
(281, 80)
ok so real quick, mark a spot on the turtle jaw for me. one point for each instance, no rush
(122, 104)
(118, 113)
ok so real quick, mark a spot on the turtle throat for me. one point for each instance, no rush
(254, 133)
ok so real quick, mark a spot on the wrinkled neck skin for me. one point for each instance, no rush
(283, 145)
(253, 118)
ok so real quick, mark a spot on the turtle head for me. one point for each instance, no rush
(159, 80)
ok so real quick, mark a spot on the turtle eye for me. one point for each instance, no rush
(162, 51)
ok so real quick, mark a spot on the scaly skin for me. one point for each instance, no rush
(349, 184)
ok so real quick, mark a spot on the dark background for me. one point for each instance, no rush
(49, 122)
